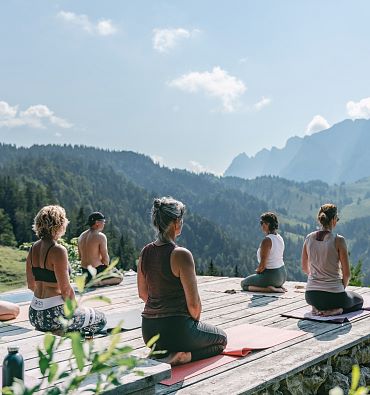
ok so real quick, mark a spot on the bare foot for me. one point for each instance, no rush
(315, 311)
(277, 290)
(327, 313)
(177, 358)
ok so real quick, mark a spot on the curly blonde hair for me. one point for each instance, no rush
(49, 221)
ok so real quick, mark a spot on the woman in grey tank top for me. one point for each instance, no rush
(325, 261)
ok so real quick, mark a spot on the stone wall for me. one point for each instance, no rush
(320, 378)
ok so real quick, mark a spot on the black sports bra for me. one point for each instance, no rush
(43, 274)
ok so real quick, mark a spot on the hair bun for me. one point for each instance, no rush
(157, 203)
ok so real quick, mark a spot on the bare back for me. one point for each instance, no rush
(92, 247)
(56, 260)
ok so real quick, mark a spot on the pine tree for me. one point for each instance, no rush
(126, 253)
(212, 270)
(80, 221)
(7, 237)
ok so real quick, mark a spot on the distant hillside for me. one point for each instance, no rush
(221, 225)
(123, 185)
(338, 154)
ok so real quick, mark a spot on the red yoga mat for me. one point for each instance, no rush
(242, 339)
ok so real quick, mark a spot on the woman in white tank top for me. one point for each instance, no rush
(270, 273)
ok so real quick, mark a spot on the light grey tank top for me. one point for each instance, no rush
(324, 264)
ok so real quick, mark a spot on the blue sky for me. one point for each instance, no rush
(190, 83)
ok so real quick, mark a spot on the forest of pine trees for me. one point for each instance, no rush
(221, 223)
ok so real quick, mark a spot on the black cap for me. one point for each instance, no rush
(95, 216)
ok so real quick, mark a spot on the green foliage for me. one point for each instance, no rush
(356, 274)
(73, 256)
(12, 268)
(7, 237)
(84, 362)
(355, 389)
(212, 269)
(222, 223)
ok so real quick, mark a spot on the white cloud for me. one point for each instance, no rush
(265, 101)
(360, 109)
(34, 117)
(103, 27)
(7, 111)
(166, 39)
(317, 124)
(196, 167)
(217, 83)
(158, 160)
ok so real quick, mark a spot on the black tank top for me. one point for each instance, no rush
(43, 274)
(166, 296)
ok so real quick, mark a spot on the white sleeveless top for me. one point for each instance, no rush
(275, 258)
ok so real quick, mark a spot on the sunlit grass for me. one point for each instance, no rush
(12, 268)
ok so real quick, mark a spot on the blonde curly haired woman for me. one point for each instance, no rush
(48, 277)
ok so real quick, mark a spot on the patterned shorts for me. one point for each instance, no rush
(48, 320)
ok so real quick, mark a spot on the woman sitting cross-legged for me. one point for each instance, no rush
(325, 260)
(167, 284)
(48, 277)
(271, 273)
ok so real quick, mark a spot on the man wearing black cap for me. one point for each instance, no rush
(93, 250)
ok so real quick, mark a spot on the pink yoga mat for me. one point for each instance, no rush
(242, 339)
(247, 337)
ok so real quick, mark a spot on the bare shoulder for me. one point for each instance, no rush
(182, 255)
(340, 240)
(266, 242)
(182, 252)
(59, 251)
(102, 236)
(82, 235)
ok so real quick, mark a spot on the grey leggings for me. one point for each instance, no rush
(180, 333)
(274, 277)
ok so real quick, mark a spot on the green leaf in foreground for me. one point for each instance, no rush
(49, 341)
(153, 340)
(80, 282)
(70, 306)
(77, 349)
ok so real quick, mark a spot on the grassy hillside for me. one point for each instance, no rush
(12, 268)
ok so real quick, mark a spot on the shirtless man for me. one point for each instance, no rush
(93, 250)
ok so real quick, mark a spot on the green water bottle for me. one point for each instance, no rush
(13, 366)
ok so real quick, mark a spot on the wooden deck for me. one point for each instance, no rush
(246, 375)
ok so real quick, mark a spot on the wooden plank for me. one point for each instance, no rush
(269, 369)
(222, 309)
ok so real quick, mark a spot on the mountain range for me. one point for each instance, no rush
(335, 155)
(222, 221)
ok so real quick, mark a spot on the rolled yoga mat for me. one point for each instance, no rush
(128, 320)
